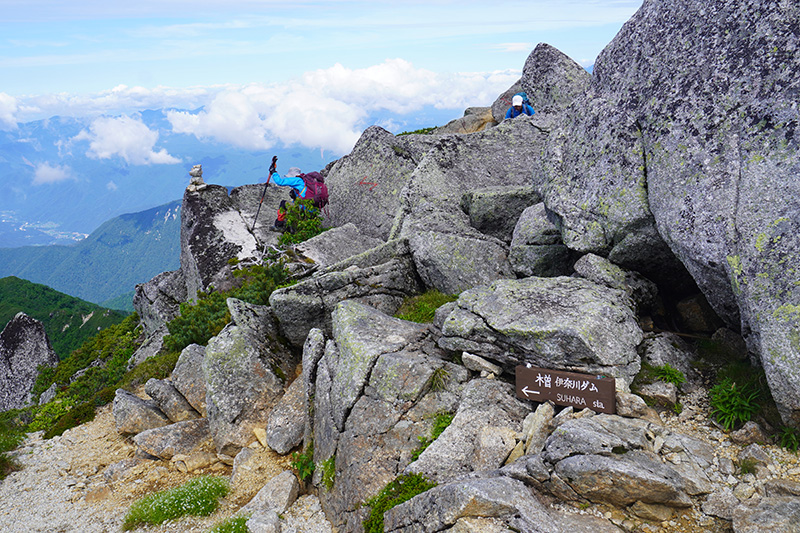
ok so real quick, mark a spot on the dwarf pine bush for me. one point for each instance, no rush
(204, 319)
(303, 221)
(198, 497)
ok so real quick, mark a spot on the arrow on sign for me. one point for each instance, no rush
(528, 391)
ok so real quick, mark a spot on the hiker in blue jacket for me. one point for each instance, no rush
(298, 190)
(291, 179)
(518, 107)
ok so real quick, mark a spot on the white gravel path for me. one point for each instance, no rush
(61, 487)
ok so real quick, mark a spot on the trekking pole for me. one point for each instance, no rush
(271, 170)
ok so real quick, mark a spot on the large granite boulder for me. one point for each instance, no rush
(480, 437)
(335, 245)
(181, 438)
(690, 120)
(373, 398)
(365, 186)
(309, 304)
(495, 210)
(187, 377)
(24, 347)
(159, 300)
(213, 231)
(536, 247)
(564, 323)
(509, 501)
(450, 254)
(171, 402)
(474, 119)
(551, 79)
(241, 388)
(133, 414)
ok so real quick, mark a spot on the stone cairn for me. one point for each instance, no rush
(196, 183)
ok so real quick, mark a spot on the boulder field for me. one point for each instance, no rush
(659, 193)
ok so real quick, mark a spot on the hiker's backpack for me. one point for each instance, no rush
(524, 96)
(316, 188)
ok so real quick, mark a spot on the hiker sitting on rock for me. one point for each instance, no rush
(519, 107)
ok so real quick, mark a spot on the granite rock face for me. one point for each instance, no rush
(212, 232)
(372, 399)
(365, 185)
(566, 323)
(24, 346)
(696, 102)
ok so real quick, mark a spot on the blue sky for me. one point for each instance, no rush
(264, 67)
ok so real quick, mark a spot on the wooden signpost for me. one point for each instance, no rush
(567, 388)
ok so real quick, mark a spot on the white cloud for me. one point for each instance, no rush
(8, 110)
(514, 47)
(126, 137)
(327, 108)
(111, 186)
(46, 173)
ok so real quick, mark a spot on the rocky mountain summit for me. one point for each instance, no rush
(648, 204)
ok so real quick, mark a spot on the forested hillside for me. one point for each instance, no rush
(68, 321)
(124, 251)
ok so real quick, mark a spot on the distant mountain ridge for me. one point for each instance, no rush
(122, 252)
(53, 188)
(67, 321)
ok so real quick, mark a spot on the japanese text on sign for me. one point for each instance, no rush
(567, 388)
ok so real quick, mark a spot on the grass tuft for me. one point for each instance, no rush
(441, 420)
(402, 489)
(198, 497)
(422, 308)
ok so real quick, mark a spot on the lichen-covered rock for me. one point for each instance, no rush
(212, 232)
(567, 323)
(373, 398)
(158, 301)
(540, 260)
(277, 495)
(506, 500)
(495, 210)
(450, 254)
(187, 377)
(287, 420)
(24, 347)
(336, 244)
(709, 158)
(169, 400)
(480, 437)
(309, 304)
(364, 186)
(534, 226)
(134, 415)
(642, 291)
(241, 388)
(181, 438)
(551, 79)
(452, 263)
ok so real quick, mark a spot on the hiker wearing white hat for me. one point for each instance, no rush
(519, 106)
